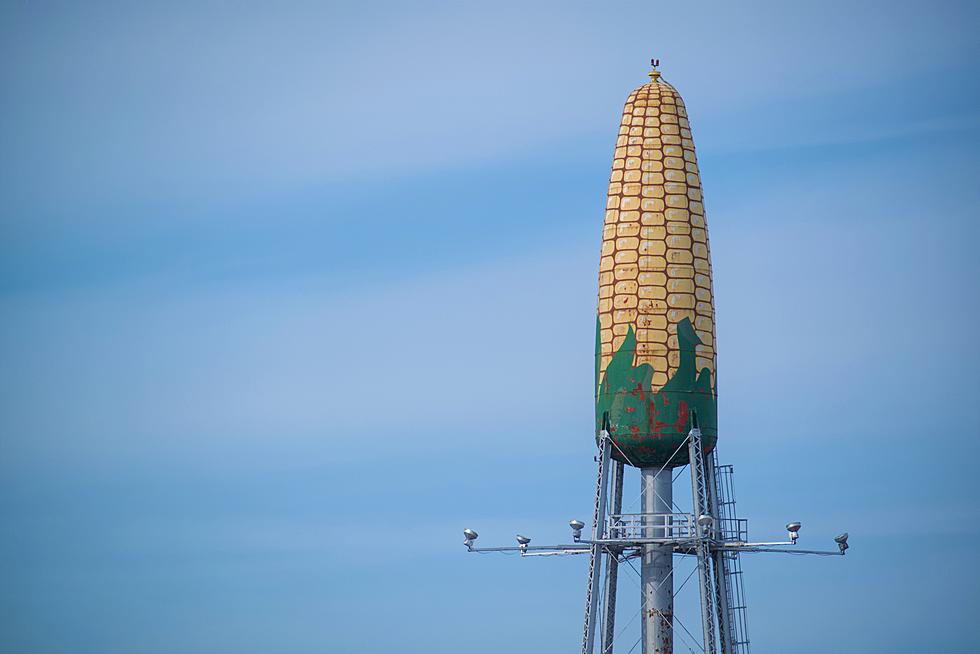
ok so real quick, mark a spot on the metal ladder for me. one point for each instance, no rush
(724, 478)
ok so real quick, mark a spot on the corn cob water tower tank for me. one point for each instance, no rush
(656, 401)
(655, 332)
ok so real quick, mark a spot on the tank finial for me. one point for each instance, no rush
(654, 74)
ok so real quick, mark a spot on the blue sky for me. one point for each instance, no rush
(290, 296)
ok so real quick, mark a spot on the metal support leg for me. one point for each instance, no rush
(719, 564)
(699, 493)
(595, 555)
(612, 564)
(657, 566)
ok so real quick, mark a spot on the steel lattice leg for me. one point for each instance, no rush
(699, 492)
(612, 564)
(719, 563)
(595, 555)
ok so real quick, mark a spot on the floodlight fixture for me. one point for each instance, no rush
(706, 522)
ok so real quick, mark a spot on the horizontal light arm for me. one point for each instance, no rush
(754, 547)
(578, 548)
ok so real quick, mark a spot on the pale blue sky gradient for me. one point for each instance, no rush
(291, 296)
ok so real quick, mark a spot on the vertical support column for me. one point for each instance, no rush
(657, 567)
(595, 555)
(719, 562)
(699, 495)
(612, 563)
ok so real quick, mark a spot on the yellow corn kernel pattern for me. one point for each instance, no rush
(655, 268)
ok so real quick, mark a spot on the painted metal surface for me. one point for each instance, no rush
(655, 329)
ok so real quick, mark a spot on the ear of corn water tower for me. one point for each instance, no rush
(656, 399)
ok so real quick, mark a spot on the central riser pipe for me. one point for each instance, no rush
(657, 567)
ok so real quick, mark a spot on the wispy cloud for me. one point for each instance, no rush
(108, 104)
